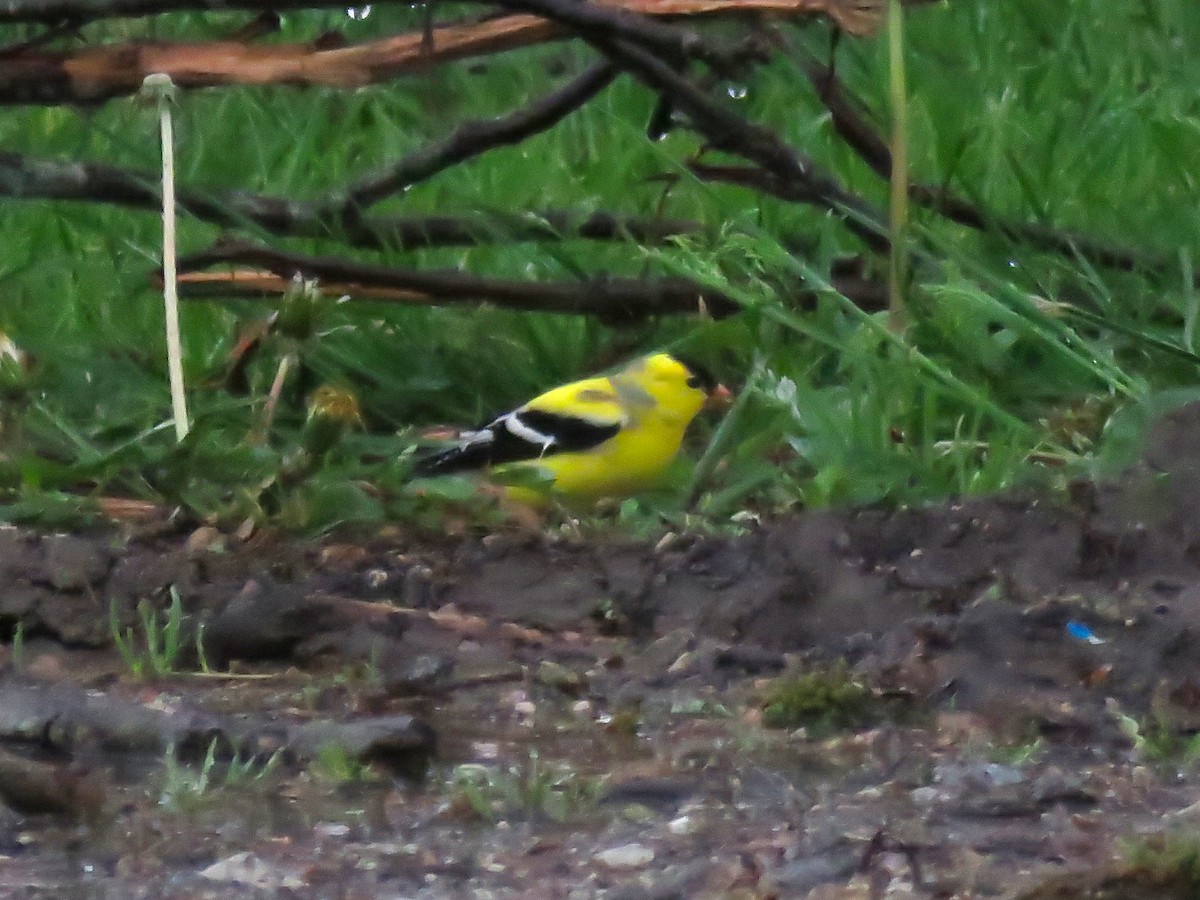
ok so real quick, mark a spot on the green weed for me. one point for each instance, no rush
(334, 762)
(1170, 861)
(154, 648)
(18, 647)
(185, 787)
(822, 698)
(533, 789)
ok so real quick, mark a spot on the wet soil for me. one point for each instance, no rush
(519, 716)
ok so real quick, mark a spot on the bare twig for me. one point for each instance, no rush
(630, 20)
(161, 91)
(898, 176)
(473, 138)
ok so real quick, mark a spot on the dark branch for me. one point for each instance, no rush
(477, 137)
(671, 41)
(32, 178)
(794, 190)
(615, 298)
(620, 299)
(731, 132)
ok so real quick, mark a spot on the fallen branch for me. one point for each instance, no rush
(615, 298)
(854, 16)
(847, 278)
(36, 178)
(66, 718)
(96, 74)
(33, 786)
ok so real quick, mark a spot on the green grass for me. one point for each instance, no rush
(1083, 117)
(187, 787)
(530, 790)
(154, 648)
(825, 698)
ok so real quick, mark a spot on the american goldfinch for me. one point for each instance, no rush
(607, 436)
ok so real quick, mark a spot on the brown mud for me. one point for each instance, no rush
(513, 716)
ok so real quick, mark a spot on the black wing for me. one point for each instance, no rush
(517, 436)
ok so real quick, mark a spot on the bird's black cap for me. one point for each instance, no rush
(704, 378)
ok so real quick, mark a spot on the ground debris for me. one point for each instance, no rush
(30, 786)
(67, 718)
(1006, 688)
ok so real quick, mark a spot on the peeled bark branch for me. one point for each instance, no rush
(95, 74)
(854, 16)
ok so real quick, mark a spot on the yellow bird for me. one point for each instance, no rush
(608, 436)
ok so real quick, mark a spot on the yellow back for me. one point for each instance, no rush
(656, 397)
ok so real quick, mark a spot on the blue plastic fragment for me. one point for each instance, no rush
(1081, 632)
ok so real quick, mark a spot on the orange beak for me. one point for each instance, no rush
(719, 397)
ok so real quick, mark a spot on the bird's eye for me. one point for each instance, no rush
(693, 381)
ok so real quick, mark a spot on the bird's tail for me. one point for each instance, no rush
(453, 459)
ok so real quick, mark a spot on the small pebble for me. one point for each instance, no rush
(683, 825)
(627, 856)
(924, 796)
(582, 708)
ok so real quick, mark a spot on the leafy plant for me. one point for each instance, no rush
(335, 763)
(186, 786)
(828, 697)
(531, 790)
(154, 648)
(18, 646)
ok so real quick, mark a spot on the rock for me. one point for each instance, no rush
(78, 619)
(796, 878)
(658, 656)
(144, 575)
(268, 618)
(558, 676)
(204, 539)
(74, 563)
(248, 869)
(399, 742)
(14, 550)
(17, 600)
(627, 856)
(405, 673)
(684, 825)
(749, 659)
(656, 792)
